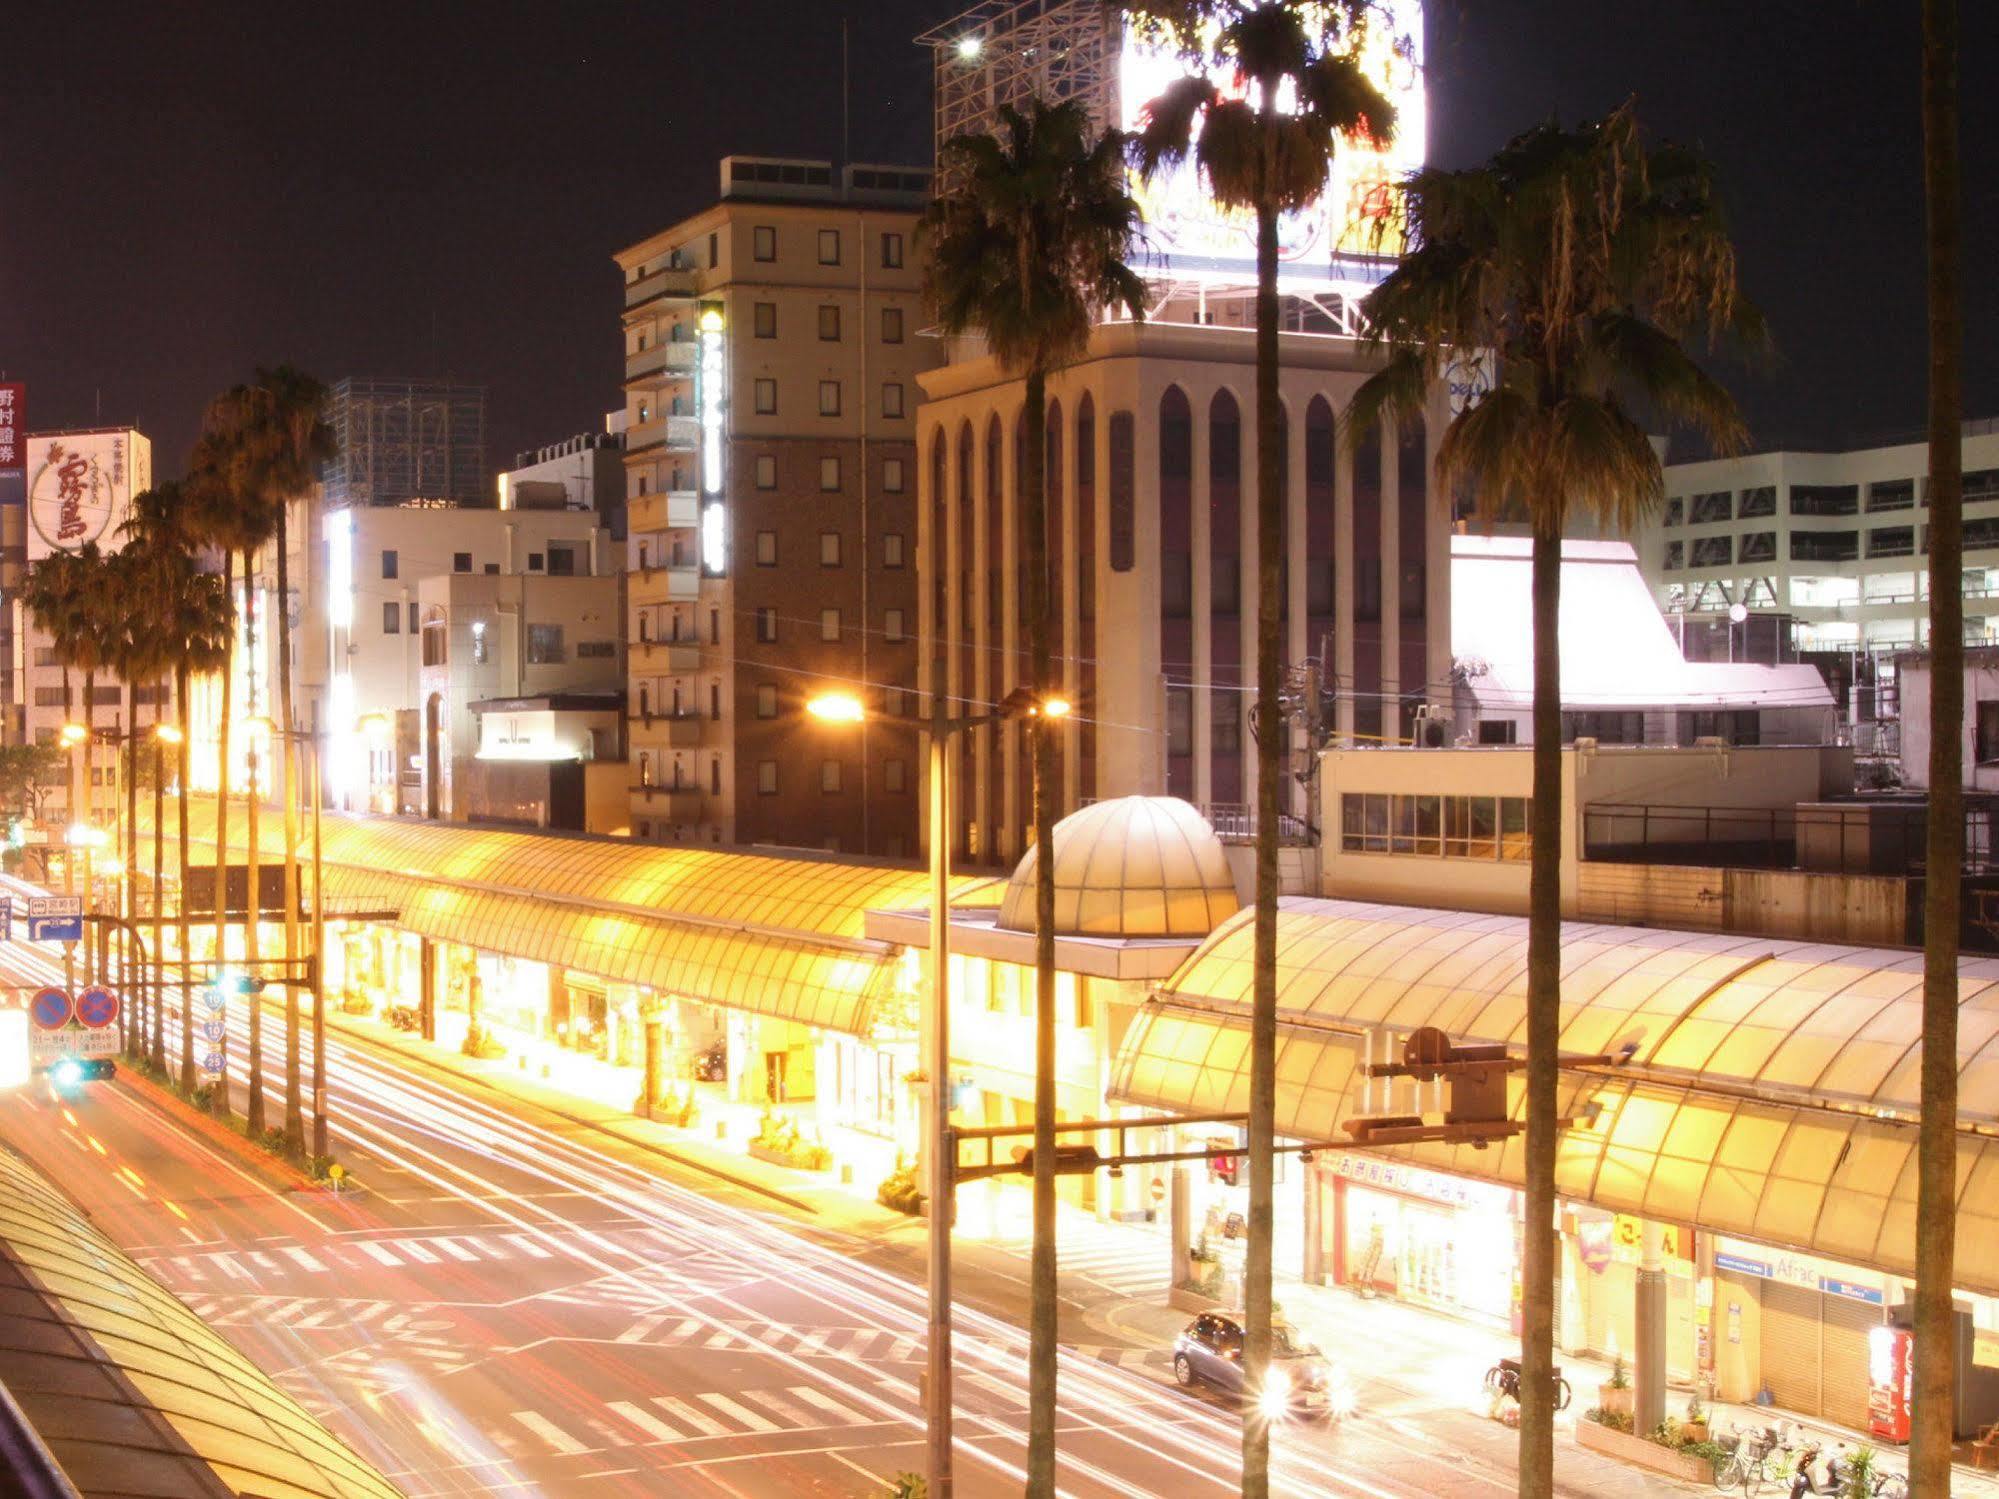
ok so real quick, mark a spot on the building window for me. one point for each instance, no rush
(1761, 500)
(1452, 827)
(413, 625)
(478, 642)
(435, 642)
(544, 645)
(892, 549)
(829, 247)
(829, 624)
(892, 399)
(392, 619)
(895, 776)
(1759, 546)
(766, 549)
(1825, 499)
(1714, 551)
(891, 325)
(1604, 726)
(595, 649)
(829, 397)
(1676, 556)
(829, 475)
(1705, 509)
(892, 626)
(1988, 732)
(461, 562)
(766, 471)
(892, 480)
(763, 242)
(714, 250)
(714, 626)
(829, 548)
(829, 324)
(1676, 511)
(766, 778)
(766, 700)
(891, 252)
(764, 393)
(829, 776)
(535, 562)
(715, 701)
(767, 626)
(763, 320)
(389, 564)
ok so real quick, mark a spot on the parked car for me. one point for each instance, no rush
(1209, 1351)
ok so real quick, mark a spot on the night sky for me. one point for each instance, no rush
(424, 189)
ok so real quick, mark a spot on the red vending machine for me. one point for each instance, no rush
(1888, 1378)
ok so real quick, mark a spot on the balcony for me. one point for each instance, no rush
(663, 510)
(660, 285)
(659, 365)
(682, 803)
(676, 432)
(674, 657)
(664, 585)
(683, 730)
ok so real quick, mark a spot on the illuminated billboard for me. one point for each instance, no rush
(80, 487)
(1349, 237)
(711, 400)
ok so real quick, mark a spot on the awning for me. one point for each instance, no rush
(1771, 1092)
(779, 936)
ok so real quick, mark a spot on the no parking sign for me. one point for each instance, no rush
(97, 1007)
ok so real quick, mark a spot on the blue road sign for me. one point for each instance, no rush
(55, 928)
(213, 1030)
(213, 999)
(51, 1009)
(96, 1007)
(212, 1062)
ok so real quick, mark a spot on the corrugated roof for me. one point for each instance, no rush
(1772, 1090)
(776, 935)
(130, 1390)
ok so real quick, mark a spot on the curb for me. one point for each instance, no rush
(798, 1204)
(172, 1106)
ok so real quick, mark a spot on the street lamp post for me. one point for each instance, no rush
(939, 1146)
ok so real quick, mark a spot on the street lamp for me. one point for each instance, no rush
(847, 708)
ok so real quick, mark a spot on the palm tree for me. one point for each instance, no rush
(279, 425)
(1936, 1171)
(66, 594)
(233, 515)
(1026, 245)
(1266, 158)
(135, 653)
(1580, 259)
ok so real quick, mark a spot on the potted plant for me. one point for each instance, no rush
(1694, 1428)
(1616, 1395)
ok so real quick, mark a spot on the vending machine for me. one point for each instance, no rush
(1888, 1378)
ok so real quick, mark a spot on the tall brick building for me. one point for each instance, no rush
(771, 355)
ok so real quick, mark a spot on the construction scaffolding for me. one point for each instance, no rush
(403, 440)
(1009, 51)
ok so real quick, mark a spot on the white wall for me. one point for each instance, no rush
(1981, 684)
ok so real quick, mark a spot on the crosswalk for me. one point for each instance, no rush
(1124, 1260)
(850, 1345)
(244, 1268)
(384, 1319)
(687, 1417)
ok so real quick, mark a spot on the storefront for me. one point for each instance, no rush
(1421, 1236)
(1603, 1253)
(1797, 1326)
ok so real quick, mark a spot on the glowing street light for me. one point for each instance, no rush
(837, 707)
(167, 733)
(72, 734)
(970, 46)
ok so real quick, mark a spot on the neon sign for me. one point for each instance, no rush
(711, 400)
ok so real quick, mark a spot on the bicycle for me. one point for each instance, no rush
(1503, 1378)
(1756, 1457)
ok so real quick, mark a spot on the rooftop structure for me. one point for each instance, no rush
(1135, 866)
(402, 440)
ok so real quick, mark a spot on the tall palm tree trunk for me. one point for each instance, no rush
(1936, 1173)
(288, 756)
(253, 797)
(159, 889)
(1263, 1000)
(129, 975)
(1544, 1025)
(1041, 744)
(183, 760)
(220, 1102)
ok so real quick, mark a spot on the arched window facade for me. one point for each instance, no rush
(1367, 714)
(1412, 505)
(1176, 585)
(964, 814)
(1086, 598)
(1225, 599)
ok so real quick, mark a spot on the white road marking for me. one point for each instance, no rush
(528, 1246)
(550, 1433)
(783, 1409)
(369, 1246)
(646, 1421)
(417, 1252)
(305, 1259)
(833, 1407)
(741, 1413)
(456, 1250)
(700, 1420)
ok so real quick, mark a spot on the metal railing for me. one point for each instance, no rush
(1235, 822)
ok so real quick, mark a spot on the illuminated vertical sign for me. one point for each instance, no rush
(711, 400)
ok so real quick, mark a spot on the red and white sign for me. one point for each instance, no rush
(80, 487)
(13, 424)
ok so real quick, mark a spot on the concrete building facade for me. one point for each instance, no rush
(771, 356)
(1153, 543)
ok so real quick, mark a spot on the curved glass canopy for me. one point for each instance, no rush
(1771, 1089)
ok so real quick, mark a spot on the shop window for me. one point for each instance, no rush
(1452, 827)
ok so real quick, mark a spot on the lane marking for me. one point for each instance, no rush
(550, 1433)
(645, 1421)
(833, 1407)
(700, 1420)
(741, 1413)
(369, 1246)
(304, 1258)
(416, 1252)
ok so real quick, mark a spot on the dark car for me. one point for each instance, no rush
(1209, 1351)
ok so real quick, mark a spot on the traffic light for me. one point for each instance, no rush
(237, 985)
(71, 1073)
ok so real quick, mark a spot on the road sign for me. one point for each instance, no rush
(213, 999)
(51, 1009)
(213, 1030)
(96, 1007)
(1158, 1189)
(212, 1062)
(48, 1047)
(55, 918)
(6, 918)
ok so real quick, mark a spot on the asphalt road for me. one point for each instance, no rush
(506, 1308)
